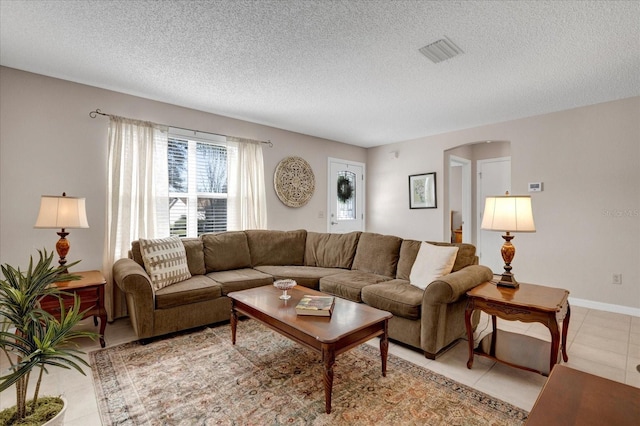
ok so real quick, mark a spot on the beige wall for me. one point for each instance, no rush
(587, 217)
(49, 144)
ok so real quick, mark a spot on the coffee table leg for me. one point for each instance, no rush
(234, 324)
(328, 359)
(384, 348)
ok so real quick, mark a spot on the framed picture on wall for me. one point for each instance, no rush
(422, 191)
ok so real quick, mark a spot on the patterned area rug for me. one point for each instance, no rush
(200, 378)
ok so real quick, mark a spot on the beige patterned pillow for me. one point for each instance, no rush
(165, 260)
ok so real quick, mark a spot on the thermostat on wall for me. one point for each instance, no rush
(535, 186)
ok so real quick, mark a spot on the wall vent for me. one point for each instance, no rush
(440, 50)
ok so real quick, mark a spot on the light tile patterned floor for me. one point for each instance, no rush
(601, 343)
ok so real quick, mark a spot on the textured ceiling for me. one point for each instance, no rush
(343, 70)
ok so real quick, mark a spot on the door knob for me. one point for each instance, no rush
(334, 223)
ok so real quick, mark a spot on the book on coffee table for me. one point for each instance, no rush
(321, 306)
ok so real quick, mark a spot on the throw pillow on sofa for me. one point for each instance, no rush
(165, 260)
(432, 262)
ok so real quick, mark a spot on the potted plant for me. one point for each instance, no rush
(33, 340)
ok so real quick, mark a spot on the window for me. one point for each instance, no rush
(198, 177)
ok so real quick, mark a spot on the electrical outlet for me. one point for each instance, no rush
(617, 279)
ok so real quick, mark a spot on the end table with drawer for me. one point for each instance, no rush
(90, 290)
(527, 303)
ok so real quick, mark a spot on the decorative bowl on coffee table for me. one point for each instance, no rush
(284, 285)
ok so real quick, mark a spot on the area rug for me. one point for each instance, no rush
(200, 378)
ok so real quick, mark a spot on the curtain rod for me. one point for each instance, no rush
(94, 114)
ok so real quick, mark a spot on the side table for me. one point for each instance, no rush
(527, 303)
(90, 290)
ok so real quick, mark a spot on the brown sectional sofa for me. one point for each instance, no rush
(360, 266)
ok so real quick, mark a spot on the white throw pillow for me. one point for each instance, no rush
(431, 263)
(165, 260)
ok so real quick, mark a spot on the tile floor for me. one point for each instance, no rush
(601, 343)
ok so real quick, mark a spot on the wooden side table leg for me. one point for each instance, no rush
(565, 330)
(102, 313)
(467, 322)
(328, 359)
(103, 324)
(555, 341)
(494, 335)
(384, 349)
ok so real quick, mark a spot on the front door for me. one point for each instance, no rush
(346, 196)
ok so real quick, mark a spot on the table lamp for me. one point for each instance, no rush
(62, 212)
(508, 213)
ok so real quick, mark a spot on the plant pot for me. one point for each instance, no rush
(58, 420)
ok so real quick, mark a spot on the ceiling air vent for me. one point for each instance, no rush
(440, 50)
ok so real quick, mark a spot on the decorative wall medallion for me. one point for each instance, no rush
(294, 181)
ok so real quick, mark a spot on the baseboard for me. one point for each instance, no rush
(618, 309)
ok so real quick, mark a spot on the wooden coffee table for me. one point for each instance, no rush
(350, 325)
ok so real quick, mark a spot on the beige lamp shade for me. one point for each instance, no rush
(508, 213)
(62, 212)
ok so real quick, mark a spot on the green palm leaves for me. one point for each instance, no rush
(31, 337)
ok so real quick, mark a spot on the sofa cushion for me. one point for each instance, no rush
(226, 250)
(195, 255)
(306, 276)
(135, 253)
(349, 284)
(409, 250)
(377, 254)
(276, 247)
(165, 260)
(431, 263)
(396, 296)
(331, 250)
(196, 289)
(240, 279)
(466, 254)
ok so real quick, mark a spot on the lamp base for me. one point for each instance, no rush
(62, 247)
(508, 280)
(508, 252)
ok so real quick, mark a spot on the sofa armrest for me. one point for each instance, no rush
(132, 278)
(452, 287)
(134, 281)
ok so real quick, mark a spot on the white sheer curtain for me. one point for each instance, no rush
(246, 195)
(137, 195)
